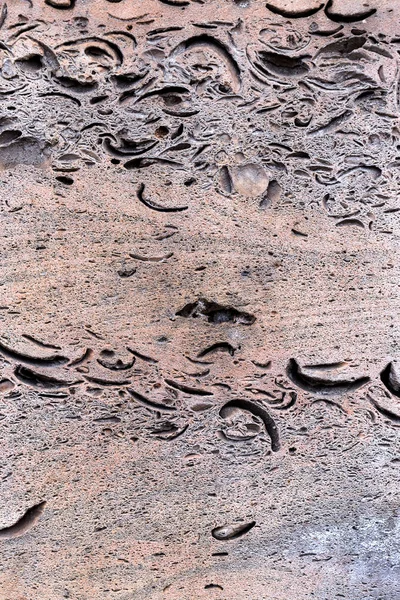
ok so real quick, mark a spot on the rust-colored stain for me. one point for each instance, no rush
(199, 299)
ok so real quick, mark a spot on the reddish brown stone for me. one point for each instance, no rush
(199, 390)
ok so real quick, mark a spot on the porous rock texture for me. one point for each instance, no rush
(199, 345)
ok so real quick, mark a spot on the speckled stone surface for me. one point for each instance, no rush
(199, 300)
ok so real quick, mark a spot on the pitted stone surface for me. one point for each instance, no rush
(199, 346)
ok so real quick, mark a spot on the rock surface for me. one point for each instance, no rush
(199, 346)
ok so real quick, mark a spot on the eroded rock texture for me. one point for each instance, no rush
(199, 345)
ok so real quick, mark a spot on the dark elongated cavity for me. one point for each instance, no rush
(165, 91)
(215, 313)
(43, 361)
(148, 161)
(326, 366)
(60, 95)
(38, 380)
(24, 524)
(143, 357)
(350, 18)
(294, 14)
(283, 65)
(49, 55)
(343, 47)
(180, 3)
(154, 205)
(128, 147)
(231, 532)
(154, 259)
(61, 4)
(350, 223)
(187, 389)
(107, 382)
(319, 385)
(217, 347)
(258, 411)
(390, 380)
(76, 86)
(150, 403)
(169, 432)
(3, 14)
(314, 30)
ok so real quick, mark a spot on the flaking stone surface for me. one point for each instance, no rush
(199, 299)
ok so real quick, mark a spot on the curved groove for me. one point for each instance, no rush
(265, 365)
(332, 124)
(131, 149)
(162, 30)
(114, 47)
(231, 532)
(329, 403)
(47, 361)
(178, 3)
(325, 32)
(115, 364)
(87, 355)
(198, 362)
(294, 14)
(340, 18)
(106, 382)
(60, 95)
(344, 46)
(390, 380)
(144, 162)
(153, 205)
(319, 385)
(168, 438)
(75, 85)
(183, 114)
(130, 36)
(13, 91)
(371, 170)
(149, 403)
(40, 343)
(235, 439)
(198, 373)
(260, 412)
(54, 4)
(350, 222)
(24, 524)
(38, 380)
(282, 65)
(326, 366)
(188, 389)
(165, 91)
(207, 40)
(292, 402)
(142, 356)
(154, 259)
(224, 346)
(49, 55)
(3, 14)
(384, 411)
